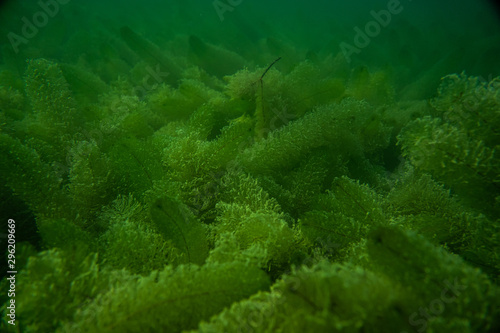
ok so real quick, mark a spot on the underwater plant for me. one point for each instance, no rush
(293, 195)
(459, 145)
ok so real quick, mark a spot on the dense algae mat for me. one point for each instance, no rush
(306, 196)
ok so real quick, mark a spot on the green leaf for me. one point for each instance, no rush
(174, 221)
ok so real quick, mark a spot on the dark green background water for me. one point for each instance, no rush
(444, 37)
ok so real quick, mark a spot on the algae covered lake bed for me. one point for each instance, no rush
(246, 166)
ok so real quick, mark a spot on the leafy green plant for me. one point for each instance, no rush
(189, 294)
(267, 199)
(176, 223)
(30, 178)
(53, 286)
(330, 297)
(460, 145)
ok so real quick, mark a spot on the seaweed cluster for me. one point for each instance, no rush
(311, 199)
